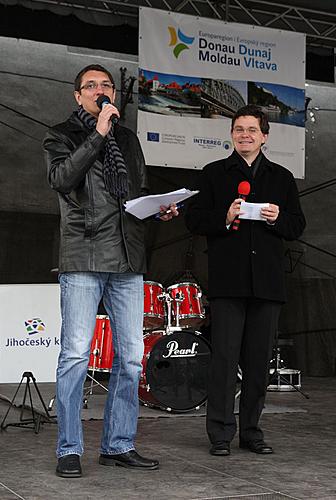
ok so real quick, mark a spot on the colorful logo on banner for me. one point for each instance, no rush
(179, 41)
(34, 325)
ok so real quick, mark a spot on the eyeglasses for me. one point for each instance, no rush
(94, 85)
(248, 130)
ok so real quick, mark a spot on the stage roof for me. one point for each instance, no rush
(315, 18)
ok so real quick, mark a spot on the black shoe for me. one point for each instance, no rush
(69, 466)
(130, 459)
(220, 449)
(257, 446)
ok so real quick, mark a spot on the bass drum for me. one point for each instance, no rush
(175, 367)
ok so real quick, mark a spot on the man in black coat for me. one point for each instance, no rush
(246, 276)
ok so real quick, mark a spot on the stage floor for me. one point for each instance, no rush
(302, 432)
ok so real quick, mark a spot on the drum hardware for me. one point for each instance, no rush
(101, 355)
(37, 417)
(177, 307)
(187, 308)
(240, 376)
(282, 378)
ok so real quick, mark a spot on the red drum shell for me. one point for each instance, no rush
(191, 310)
(101, 351)
(154, 311)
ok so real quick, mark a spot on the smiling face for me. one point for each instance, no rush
(247, 137)
(93, 84)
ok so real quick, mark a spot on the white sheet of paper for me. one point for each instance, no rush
(252, 210)
(145, 206)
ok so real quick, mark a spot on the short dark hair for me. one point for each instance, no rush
(252, 110)
(91, 67)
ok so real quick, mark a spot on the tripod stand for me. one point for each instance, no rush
(280, 375)
(37, 417)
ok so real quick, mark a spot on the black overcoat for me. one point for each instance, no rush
(250, 261)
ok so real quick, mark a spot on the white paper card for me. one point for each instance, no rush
(252, 210)
(145, 206)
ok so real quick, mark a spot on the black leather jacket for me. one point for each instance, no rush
(96, 234)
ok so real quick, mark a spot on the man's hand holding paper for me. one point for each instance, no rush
(267, 212)
(252, 211)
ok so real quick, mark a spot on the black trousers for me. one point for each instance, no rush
(243, 332)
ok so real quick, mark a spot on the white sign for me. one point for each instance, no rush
(194, 74)
(30, 331)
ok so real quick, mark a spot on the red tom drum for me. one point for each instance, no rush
(174, 374)
(154, 311)
(187, 297)
(101, 351)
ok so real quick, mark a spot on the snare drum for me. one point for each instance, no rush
(174, 374)
(187, 304)
(101, 351)
(154, 312)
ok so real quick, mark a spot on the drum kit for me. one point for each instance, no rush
(176, 356)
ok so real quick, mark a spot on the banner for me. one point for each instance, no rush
(194, 73)
(30, 331)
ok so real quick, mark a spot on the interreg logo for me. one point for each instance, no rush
(179, 41)
(34, 325)
(211, 143)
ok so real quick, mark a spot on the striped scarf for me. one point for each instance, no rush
(114, 168)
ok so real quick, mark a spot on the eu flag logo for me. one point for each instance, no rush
(153, 136)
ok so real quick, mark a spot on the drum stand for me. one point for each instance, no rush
(276, 374)
(240, 376)
(168, 299)
(37, 417)
(94, 382)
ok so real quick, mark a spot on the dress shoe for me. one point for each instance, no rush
(257, 446)
(69, 466)
(220, 449)
(130, 459)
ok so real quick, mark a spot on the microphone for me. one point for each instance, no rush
(244, 188)
(101, 102)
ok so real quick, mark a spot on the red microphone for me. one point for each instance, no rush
(244, 188)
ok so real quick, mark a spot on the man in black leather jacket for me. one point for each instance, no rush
(95, 167)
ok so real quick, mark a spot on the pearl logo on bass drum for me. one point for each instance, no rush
(175, 352)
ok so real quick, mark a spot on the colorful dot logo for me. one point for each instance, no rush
(34, 325)
(179, 41)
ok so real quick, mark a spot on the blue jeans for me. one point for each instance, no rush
(81, 293)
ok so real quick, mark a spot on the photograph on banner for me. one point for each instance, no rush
(207, 98)
(194, 71)
(169, 94)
